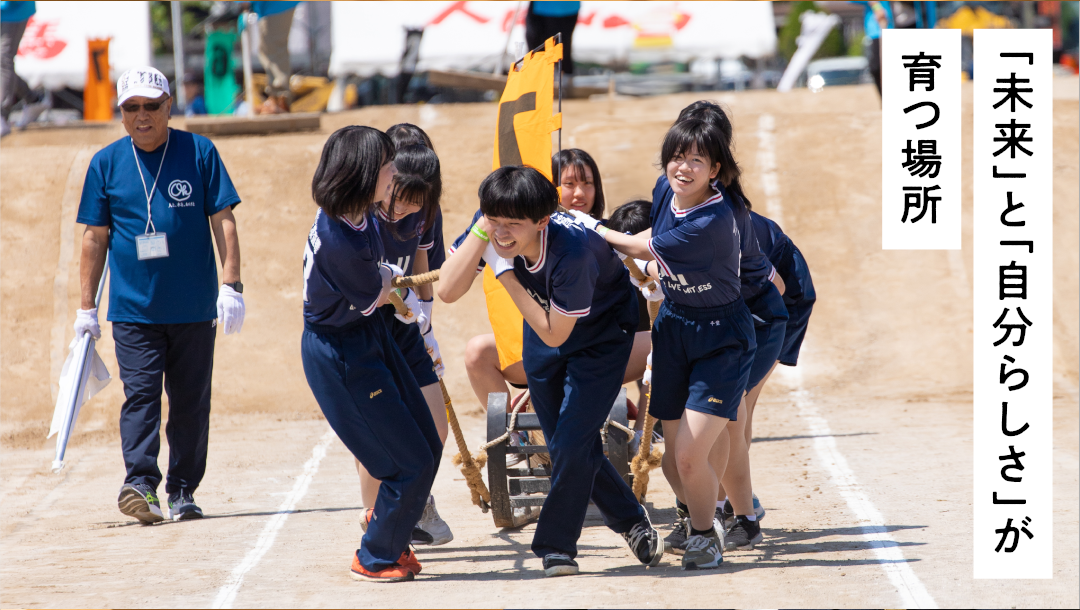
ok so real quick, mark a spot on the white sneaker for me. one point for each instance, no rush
(433, 524)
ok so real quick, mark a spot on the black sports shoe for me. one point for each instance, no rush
(140, 501)
(182, 506)
(675, 542)
(743, 535)
(726, 515)
(559, 564)
(645, 542)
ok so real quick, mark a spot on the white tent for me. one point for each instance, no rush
(53, 51)
(369, 37)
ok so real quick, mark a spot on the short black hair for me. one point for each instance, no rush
(407, 134)
(631, 217)
(419, 178)
(348, 173)
(579, 160)
(518, 191)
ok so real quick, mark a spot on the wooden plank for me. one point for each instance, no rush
(271, 123)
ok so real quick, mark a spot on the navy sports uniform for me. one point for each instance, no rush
(755, 275)
(362, 382)
(574, 385)
(401, 239)
(799, 295)
(703, 338)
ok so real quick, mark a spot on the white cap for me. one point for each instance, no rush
(143, 82)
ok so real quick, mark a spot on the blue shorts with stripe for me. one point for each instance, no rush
(411, 343)
(770, 325)
(701, 359)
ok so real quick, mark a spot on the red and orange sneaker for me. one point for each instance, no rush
(409, 561)
(393, 573)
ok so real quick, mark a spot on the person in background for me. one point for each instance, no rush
(877, 16)
(165, 303)
(275, 20)
(13, 18)
(545, 19)
(193, 92)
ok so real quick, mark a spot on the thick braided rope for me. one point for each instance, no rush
(419, 279)
(513, 424)
(647, 458)
(480, 494)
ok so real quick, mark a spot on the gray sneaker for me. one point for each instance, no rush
(559, 564)
(645, 542)
(182, 506)
(140, 501)
(433, 524)
(703, 552)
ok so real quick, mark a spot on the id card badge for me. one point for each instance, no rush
(151, 246)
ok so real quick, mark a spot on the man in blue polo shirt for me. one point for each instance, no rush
(151, 201)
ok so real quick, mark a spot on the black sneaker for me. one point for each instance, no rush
(559, 564)
(182, 506)
(645, 542)
(140, 501)
(743, 535)
(675, 542)
(726, 515)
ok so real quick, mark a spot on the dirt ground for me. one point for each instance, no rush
(886, 366)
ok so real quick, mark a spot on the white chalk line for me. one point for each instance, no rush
(227, 595)
(889, 555)
(766, 161)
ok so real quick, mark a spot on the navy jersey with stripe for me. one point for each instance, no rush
(697, 251)
(405, 236)
(578, 274)
(755, 270)
(781, 252)
(342, 281)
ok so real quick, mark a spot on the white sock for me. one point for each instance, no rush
(720, 503)
(750, 517)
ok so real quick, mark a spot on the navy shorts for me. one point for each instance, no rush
(770, 321)
(799, 299)
(701, 359)
(412, 346)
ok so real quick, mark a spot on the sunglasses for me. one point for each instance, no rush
(148, 106)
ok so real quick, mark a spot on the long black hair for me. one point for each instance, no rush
(579, 160)
(348, 174)
(730, 172)
(419, 178)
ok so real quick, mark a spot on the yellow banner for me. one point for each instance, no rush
(523, 137)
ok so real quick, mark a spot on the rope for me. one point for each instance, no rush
(513, 423)
(469, 467)
(647, 458)
(410, 281)
(616, 424)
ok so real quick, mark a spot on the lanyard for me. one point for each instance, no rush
(150, 194)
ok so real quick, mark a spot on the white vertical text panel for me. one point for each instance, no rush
(1013, 295)
(920, 140)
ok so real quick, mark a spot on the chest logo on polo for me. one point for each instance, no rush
(374, 394)
(716, 400)
(180, 191)
(539, 299)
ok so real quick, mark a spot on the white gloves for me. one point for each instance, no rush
(490, 256)
(395, 271)
(413, 304)
(433, 351)
(424, 321)
(584, 219)
(230, 309)
(654, 294)
(86, 322)
(502, 265)
(647, 378)
(641, 283)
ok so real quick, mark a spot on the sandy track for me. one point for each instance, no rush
(887, 365)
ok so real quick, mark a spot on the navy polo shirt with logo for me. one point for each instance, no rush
(342, 281)
(403, 237)
(193, 185)
(577, 274)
